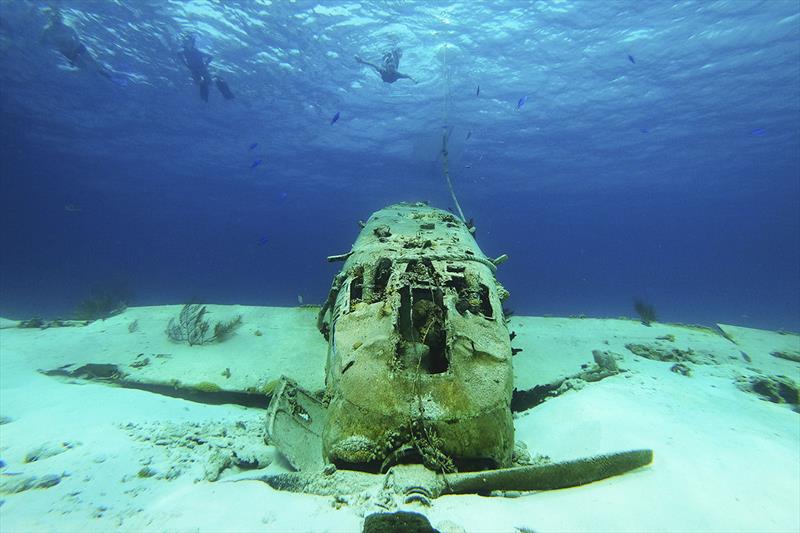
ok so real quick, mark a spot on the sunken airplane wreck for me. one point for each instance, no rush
(419, 376)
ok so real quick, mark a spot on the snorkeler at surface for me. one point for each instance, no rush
(391, 62)
(66, 41)
(197, 62)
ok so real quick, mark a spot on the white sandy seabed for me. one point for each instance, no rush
(82, 455)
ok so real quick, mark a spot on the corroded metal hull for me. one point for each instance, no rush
(419, 359)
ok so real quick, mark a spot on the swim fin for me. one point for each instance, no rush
(224, 89)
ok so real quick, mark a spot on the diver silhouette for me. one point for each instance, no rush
(66, 41)
(388, 71)
(197, 63)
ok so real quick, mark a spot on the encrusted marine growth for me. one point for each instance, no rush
(419, 360)
(418, 377)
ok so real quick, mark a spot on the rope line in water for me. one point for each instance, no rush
(446, 134)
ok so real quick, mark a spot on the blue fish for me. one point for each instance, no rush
(255, 163)
(759, 132)
(644, 130)
(335, 118)
(253, 146)
(283, 196)
(469, 134)
(478, 91)
(630, 58)
(522, 101)
(263, 240)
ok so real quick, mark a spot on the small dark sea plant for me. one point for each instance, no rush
(192, 327)
(104, 302)
(646, 312)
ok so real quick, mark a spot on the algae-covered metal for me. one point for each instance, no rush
(418, 378)
(419, 360)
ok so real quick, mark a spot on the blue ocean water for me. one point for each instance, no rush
(614, 150)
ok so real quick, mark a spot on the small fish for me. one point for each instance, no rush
(300, 299)
(758, 132)
(255, 164)
(478, 91)
(253, 146)
(630, 58)
(335, 118)
(263, 240)
(644, 130)
(469, 134)
(72, 208)
(283, 196)
(522, 101)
